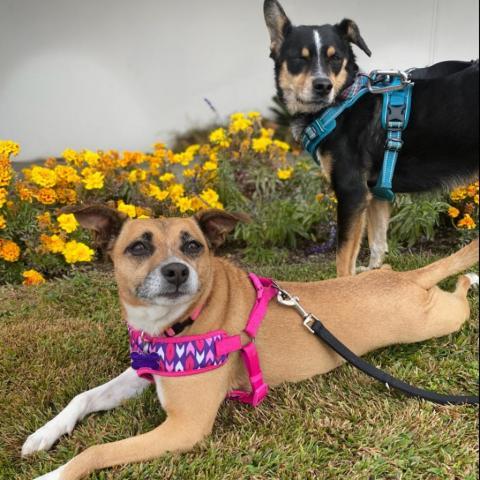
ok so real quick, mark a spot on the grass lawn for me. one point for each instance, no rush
(67, 336)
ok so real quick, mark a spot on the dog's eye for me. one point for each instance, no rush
(192, 247)
(139, 249)
(335, 57)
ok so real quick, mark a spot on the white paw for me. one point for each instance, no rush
(53, 475)
(362, 269)
(473, 277)
(42, 439)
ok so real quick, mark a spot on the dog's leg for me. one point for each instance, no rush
(104, 397)
(378, 217)
(351, 225)
(191, 404)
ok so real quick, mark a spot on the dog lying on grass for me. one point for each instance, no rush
(165, 269)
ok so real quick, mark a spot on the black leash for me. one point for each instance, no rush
(315, 326)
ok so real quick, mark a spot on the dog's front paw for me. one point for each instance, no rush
(53, 475)
(42, 439)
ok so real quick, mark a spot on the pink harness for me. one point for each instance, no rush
(189, 355)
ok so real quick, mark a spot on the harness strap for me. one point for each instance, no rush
(321, 127)
(395, 116)
(265, 292)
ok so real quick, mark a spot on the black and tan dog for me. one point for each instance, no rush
(313, 65)
(369, 311)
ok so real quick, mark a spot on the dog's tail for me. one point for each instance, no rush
(429, 276)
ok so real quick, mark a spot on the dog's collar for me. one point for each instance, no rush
(188, 355)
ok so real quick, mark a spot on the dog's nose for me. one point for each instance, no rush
(175, 273)
(322, 86)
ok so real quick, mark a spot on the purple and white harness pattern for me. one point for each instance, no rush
(175, 356)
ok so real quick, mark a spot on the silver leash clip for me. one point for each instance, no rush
(384, 77)
(285, 298)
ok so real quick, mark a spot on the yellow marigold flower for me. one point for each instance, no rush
(32, 277)
(453, 212)
(91, 158)
(3, 197)
(189, 172)
(9, 250)
(209, 166)
(143, 212)
(219, 137)
(267, 132)
(137, 176)
(458, 194)
(67, 222)
(156, 192)
(254, 115)
(75, 252)
(44, 177)
(66, 174)
(319, 197)
(3, 222)
(184, 204)
(44, 219)
(167, 177)
(260, 145)
(53, 244)
(209, 196)
(239, 123)
(284, 173)
(8, 147)
(282, 145)
(94, 181)
(197, 204)
(46, 196)
(71, 156)
(176, 191)
(475, 199)
(466, 222)
(126, 208)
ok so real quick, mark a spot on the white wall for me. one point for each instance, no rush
(124, 73)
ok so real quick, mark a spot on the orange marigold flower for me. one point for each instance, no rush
(6, 171)
(3, 222)
(466, 222)
(472, 190)
(9, 250)
(25, 193)
(3, 197)
(46, 196)
(53, 244)
(67, 195)
(44, 220)
(453, 212)
(32, 277)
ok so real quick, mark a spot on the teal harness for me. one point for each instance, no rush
(396, 88)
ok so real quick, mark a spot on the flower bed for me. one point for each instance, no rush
(242, 167)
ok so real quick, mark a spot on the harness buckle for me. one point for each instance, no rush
(380, 81)
(393, 144)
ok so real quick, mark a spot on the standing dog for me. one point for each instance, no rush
(313, 66)
(165, 269)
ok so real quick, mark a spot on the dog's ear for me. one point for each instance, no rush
(104, 221)
(349, 30)
(278, 25)
(217, 224)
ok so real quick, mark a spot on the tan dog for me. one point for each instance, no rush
(366, 312)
